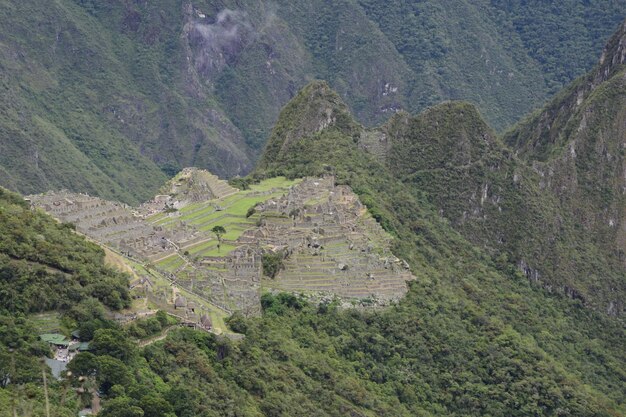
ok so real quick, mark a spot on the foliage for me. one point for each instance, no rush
(240, 183)
(219, 231)
(272, 263)
(473, 336)
(45, 265)
(151, 326)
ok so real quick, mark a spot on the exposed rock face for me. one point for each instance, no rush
(559, 219)
(576, 145)
(613, 55)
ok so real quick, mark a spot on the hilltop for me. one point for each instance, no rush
(111, 99)
(461, 312)
(552, 207)
(306, 236)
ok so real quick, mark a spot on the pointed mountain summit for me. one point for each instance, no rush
(576, 144)
(315, 108)
(546, 133)
(614, 54)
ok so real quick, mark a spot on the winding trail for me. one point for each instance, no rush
(163, 335)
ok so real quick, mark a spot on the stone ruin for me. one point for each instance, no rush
(188, 186)
(113, 224)
(330, 243)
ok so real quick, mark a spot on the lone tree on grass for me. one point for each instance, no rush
(219, 232)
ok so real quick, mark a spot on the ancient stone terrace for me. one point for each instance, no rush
(230, 275)
(330, 242)
(188, 186)
(333, 244)
(111, 223)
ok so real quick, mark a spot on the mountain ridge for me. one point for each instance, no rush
(450, 157)
(481, 329)
(125, 94)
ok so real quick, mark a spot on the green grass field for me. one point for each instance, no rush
(231, 215)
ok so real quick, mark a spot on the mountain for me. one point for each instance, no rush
(552, 203)
(111, 98)
(567, 236)
(515, 303)
(576, 145)
(103, 105)
(500, 202)
(471, 335)
(449, 146)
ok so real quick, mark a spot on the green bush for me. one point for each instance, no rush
(272, 263)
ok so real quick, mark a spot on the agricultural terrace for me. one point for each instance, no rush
(229, 212)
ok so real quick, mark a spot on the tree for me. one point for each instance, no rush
(219, 232)
(113, 343)
(121, 407)
(112, 371)
(155, 406)
(272, 263)
(84, 364)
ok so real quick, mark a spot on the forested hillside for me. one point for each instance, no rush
(45, 266)
(111, 97)
(558, 221)
(472, 335)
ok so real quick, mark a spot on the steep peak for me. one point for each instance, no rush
(452, 132)
(545, 134)
(613, 55)
(315, 108)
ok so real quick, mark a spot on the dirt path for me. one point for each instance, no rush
(163, 335)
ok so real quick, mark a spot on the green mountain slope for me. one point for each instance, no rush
(110, 98)
(423, 236)
(499, 202)
(384, 56)
(472, 336)
(46, 267)
(101, 110)
(554, 205)
(576, 145)
(566, 236)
